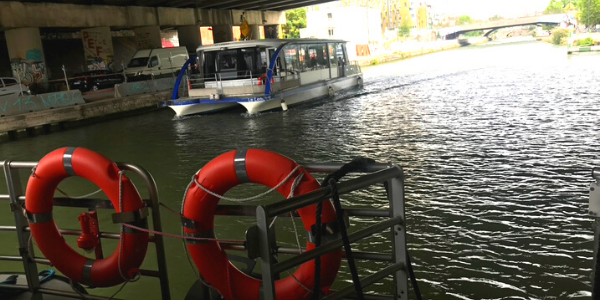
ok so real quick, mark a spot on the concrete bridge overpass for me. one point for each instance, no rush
(492, 26)
(39, 37)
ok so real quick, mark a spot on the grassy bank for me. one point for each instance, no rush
(412, 50)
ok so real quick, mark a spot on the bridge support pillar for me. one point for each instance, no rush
(189, 37)
(147, 37)
(27, 57)
(255, 32)
(222, 33)
(98, 48)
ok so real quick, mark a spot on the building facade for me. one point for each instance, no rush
(393, 12)
(332, 21)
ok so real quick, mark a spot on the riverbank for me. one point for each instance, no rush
(44, 120)
(403, 50)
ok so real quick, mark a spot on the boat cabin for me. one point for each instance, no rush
(229, 67)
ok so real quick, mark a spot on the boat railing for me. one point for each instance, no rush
(16, 198)
(249, 82)
(594, 209)
(392, 219)
(354, 67)
(261, 242)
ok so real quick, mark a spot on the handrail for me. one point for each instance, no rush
(392, 176)
(16, 198)
(391, 218)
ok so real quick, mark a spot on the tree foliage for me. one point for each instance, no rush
(295, 19)
(589, 12)
(464, 20)
(560, 6)
(405, 29)
(496, 18)
(555, 7)
(559, 36)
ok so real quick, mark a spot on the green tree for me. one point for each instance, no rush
(589, 12)
(496, 18)
(405, 29)
(464, 20)
(295, 19)
(555, 7)
(559, 36)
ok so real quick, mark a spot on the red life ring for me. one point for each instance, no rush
(262, 79)
(266, 168)
(39, 197)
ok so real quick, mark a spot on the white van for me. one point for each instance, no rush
(156, 62)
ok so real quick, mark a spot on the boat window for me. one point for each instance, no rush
(321, 54)
(333, 58)
(210, 65)
(313, 57)
(291, 58)
(277, 61)
(340, 50)
(227, 60)
(304, 57)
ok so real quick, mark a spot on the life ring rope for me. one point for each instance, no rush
(255, 197)
(276, 172)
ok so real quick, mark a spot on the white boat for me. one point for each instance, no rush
(264, 75)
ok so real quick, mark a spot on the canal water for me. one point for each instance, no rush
(497, 144)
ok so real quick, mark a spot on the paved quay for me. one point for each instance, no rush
(89, 111)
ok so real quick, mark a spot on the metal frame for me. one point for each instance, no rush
(393, 176)
(17, 200)
(594, 205)
(392, 219)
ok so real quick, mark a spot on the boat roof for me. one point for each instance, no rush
(262, 43)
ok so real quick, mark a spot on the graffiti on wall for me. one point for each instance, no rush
(14, 105)
(98, 48)
(271, 31)
(31, 69)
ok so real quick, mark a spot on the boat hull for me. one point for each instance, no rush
(200, 108)
(300, 95)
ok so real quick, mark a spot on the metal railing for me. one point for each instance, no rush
(594, 208)
(17, 199)
(392, 220)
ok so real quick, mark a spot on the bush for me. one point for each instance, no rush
(558, 35)
(586, 42)
(375, 62)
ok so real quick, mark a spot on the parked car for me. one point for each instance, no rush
(10, 86)
(95, 80)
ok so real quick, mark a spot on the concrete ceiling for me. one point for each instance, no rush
(276, 5)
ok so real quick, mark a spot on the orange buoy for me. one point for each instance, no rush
(39, 198)
(269, 169)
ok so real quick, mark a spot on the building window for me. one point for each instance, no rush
(329, 16)
(330, 32)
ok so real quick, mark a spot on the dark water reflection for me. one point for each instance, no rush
(497, 143)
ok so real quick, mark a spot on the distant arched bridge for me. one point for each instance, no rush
(495, 25)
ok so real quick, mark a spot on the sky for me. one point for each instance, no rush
(482, 9)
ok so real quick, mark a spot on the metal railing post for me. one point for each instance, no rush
(66, 79)
(161, 257)
(266, 257)
(13, 184)
(395, 187)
